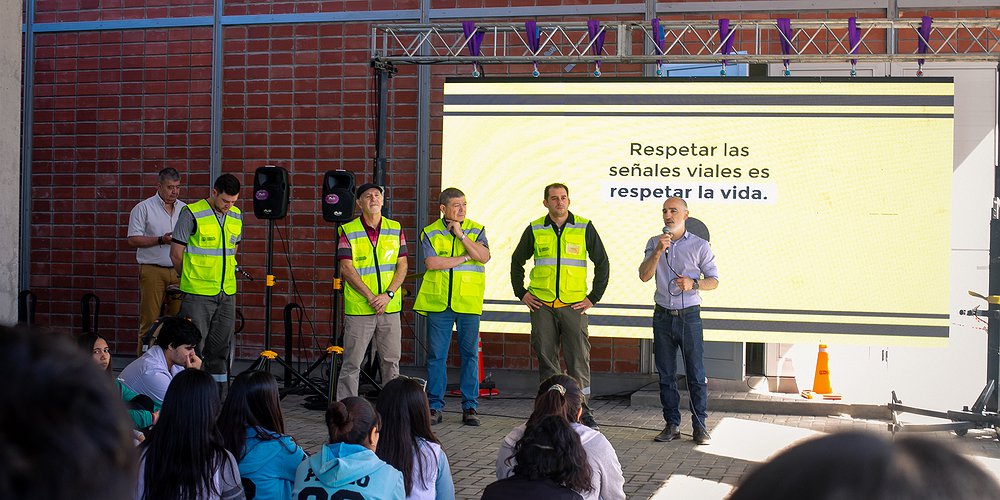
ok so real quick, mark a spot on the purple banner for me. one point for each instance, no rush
(725, 39)
(785, 29)
(854, 36)
(925, 36)
(596, 37)
(473, 37)
(534, 40)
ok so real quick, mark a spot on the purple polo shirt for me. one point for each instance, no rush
(689, 256)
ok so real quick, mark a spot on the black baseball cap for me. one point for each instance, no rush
(366, 186)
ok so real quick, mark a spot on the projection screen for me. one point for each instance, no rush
(826, 201)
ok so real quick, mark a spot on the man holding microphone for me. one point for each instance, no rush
(683, 265)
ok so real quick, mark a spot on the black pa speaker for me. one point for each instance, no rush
(338, 196)
(270, 192)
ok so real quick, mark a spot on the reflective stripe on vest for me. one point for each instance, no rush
(375, 264)
(210, 255)
(461, 287)
(560, 260)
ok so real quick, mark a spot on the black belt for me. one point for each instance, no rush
(157, 265)
(678, 312)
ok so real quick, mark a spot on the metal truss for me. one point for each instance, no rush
(751, 41)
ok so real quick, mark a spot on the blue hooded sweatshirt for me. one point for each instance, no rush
(341, 468)
(270, 463)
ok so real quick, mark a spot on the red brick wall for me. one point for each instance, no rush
(113, 107)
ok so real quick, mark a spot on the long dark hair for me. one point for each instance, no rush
(184, 449)
(558, 395)
(551, 449)
(405, 418)
(252, 403)
(351, 420)
(865, 465)
(86, 342)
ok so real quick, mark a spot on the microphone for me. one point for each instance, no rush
(244, 273)
(666, 230)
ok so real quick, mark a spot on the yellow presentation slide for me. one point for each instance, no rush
(826, 201)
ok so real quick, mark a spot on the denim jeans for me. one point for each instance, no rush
(683, 331)
(439, 328)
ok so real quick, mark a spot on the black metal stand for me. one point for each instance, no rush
(983, 413)
(263, 362)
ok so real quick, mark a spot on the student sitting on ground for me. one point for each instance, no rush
(551, 465)
(347, 467)
(253, 429)
(142, 408)
(183, 456)
(408, 443)
(64, 433)
(868, 466)
(150, 374)
(561, 395)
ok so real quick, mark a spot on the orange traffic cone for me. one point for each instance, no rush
(821, 382)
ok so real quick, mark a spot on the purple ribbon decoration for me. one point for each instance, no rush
(534, 38)
(925, 36)
(659, 38)
(854, 36)
(725, 39)
(785, 29)
(596, 41)
(534, 42)
(474, 39)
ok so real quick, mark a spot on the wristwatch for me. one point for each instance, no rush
(390, 293)
(693, 287)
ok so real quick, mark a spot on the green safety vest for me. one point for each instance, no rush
(375, 264)
(210, 254)
(560, 261)
(462, 287)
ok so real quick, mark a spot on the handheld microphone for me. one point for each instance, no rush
(666, 230)
(244, 273)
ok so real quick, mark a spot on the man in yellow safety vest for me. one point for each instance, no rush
(451, 294)
(203, 250)
(372, 253)
(557, 297)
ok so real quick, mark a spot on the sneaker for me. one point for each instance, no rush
(436, 417)
(669, 433)
(470, 417)
(701, 436)
(587, 418)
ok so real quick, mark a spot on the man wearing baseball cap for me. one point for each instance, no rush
(372, 253)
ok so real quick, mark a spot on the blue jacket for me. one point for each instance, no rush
(270, 463)
(341, 468)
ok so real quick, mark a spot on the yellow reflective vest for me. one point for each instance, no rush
(375, 264)
(560, 260)
(210, 255)
(462, 287)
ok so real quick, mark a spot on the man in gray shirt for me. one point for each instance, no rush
(150, 230)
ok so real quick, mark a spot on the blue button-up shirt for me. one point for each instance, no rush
(689, 256)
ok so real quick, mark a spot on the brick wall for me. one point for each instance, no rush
(113, 107)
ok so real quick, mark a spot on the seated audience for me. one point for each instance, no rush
(561, 395)
(150, 374)
(551, 464)
(183, 456)
(141, 408)
(64, 432)
(408, 443)
(864, 465)
(347, 467)
(253, 429)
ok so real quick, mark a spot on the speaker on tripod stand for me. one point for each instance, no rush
(271, 194)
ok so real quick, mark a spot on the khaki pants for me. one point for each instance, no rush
(153, 283)
(358, 333)
(552, 328)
